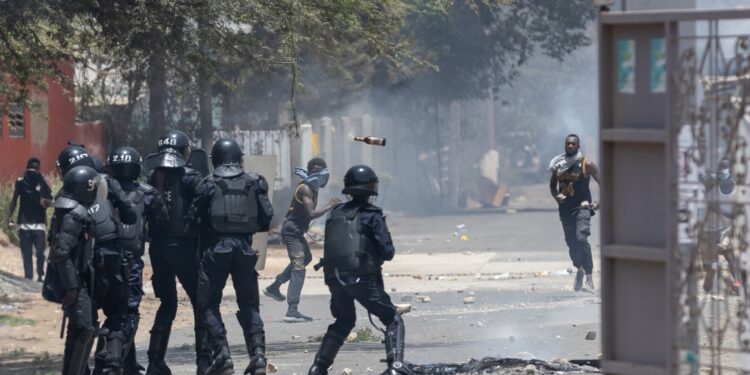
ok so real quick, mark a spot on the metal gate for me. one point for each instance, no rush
(674, 124)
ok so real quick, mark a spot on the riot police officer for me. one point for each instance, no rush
(70, 278)
(357, 242)
(125, 165)
(107, 214)
(173, 249)
(233, 205)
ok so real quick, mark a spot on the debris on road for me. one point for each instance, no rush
(403, 308)
(469, 300)
(271, 367)
(591, 335)
(424, 299)
(346, 371)
(505, 366)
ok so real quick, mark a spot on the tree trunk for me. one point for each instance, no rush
(157, 95)
(205, 109)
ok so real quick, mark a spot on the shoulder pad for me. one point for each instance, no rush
(80, 212)
(65, 202)
(191, 172)
(260, 180)
(372, 208)
(146, 188)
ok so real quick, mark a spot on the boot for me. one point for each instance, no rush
(394, 348)
(590, 282)
(255, 341)
(131, 365)
(274, 292)
(221, 363)
(202, 350)
(327, 352)
(578, 284)
(157, 349)
(294, 316)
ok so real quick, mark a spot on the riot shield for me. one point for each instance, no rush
(198, 160)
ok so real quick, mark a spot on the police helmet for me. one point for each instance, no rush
(175, 141)
(360, 180)
(80, 183)
(226, 152)
(125, 162)
(73, 156)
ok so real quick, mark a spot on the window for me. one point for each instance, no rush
(15, 120)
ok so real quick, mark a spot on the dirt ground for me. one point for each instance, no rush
(30, 327)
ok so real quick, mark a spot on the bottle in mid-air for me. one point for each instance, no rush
(371, 140)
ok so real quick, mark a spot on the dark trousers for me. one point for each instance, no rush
(135, 289)
(368, 291)
(299, 257)
(577, 227)
(32, 239)
(169, 260)
(80, 331)
(230, 256)
(176, 258)
(112, 288)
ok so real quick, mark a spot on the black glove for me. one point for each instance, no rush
(71, 295)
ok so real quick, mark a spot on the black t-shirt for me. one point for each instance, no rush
(32, 188)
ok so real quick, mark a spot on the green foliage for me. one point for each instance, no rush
(15, 321)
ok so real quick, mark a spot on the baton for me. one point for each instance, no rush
(62, 327)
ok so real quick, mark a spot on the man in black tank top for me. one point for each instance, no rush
(569, 185)
(301, 212)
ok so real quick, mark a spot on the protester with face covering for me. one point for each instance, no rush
(301, 212)
(569, 185)
(36, 196)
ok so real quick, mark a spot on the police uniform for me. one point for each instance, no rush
(233, 206)
(111, 290)
(70, 271)
(150, 207)
(173, 253)
(357, 242)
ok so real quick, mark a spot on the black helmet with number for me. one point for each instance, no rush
(226, 156)
(174, 148)
(175, 141)
(80, 183)
(360, 180)
(73, 156)
(125, 162)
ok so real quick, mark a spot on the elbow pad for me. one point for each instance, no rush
(68, 274)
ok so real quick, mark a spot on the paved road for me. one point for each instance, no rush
(512, 263)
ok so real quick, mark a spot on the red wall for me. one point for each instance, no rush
(61, 127)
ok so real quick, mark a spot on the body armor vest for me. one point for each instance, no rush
(132, 235)
(104, 221)
(345, 247)
(234, 206)
(178, 206)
